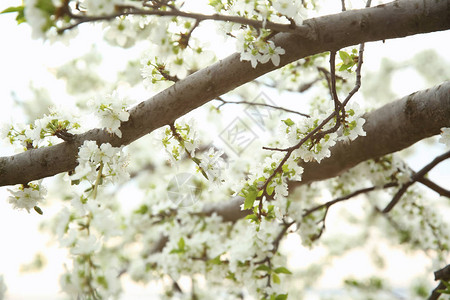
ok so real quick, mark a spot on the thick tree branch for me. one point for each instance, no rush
(394, 20)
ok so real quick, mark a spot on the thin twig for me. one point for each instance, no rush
(131, 10)
(260, 104)
(337, 104)
(343, 5)
(433, 186)
(415, 178)
(435, 294)
(346, 197)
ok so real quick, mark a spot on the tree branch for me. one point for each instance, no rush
(415, 178)
(442, 274)
(394, 20)
(130, 10)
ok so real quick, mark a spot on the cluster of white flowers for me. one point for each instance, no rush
(113, 162)
(101, 284)
(309, 150)
(151, 70)
(445, 136)
(256, 188)
(419, 224)
(122, 32)
(42, 17)
(36, 17)
(255, 48)
(354, 122)
(188, 139)
(27, 197)
(112, 111)
(49, 130)
(306, 197)
(386, 169)
(293, 10)
(185, 140)
(100, 7)
(254, 45)
(168, 61)
(212, 163)
(229, 251)
(85, 228)
(320, 149)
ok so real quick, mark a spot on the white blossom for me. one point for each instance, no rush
(445, 136)
(291, 9)
(112, 111)
(100, 7)
(87, 245)
(114, 160)
(27, 197)
(257, 49)
(36, 18)
(212, 163)
(354, 122)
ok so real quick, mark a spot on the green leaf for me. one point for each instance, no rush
(263, 268)
(252, 217)
(282, 270)
(343, 68)
(46, 6)
(215, 261)
(447, 290)
(20, 18)
(288, 122)
(38, 210)
(346, 58)
(250, 197)
(196, 160)
(181, 243)
(204, 174)
(102, 281)
(270, 190)
(181, 247)
(142, 210)
(276, 279)
(17, 9)
(259, 193)
(281, 297)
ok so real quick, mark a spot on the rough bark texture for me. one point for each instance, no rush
(394, 20)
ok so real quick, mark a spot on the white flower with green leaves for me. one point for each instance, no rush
(27, 197)
(86, 245)
(105, 162)
(212, 163)
(112, 111)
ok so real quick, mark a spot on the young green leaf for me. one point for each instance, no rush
(282, 270)
(250, 197)
(276, 279)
